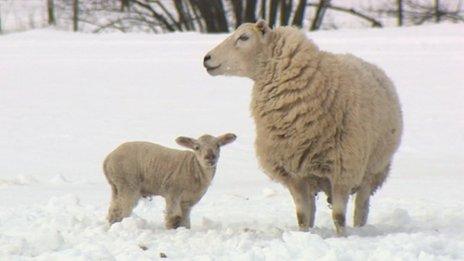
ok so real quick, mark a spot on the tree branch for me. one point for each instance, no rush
(375, 23)
(155, 14)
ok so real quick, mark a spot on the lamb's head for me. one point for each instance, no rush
(241, 53)
(207, 147)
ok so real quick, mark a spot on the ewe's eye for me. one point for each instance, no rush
(196, 147)
(243, 37)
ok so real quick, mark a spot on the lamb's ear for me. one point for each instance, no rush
(263, 27)
(186, 142)
(226, 139)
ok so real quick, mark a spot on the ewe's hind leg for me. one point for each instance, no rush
(340, 196)
(370, 184)
(361, 210)
(122, 203)
(304, 203)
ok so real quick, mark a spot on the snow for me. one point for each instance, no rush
(66, 100)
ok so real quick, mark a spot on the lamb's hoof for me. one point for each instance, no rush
(113, 219)
(173, 222)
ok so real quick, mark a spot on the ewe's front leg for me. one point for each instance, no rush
(173, 213)
(304, 203)
(361, 210)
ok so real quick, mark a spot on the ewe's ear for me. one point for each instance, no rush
(262, 26)
(226, 139)
(186, 142)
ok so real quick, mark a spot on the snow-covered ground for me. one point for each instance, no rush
(66, 100)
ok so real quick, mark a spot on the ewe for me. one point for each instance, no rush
(324, 122)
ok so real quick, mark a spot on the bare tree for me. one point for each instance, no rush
(285, 11)
(197, 15)
(373, 21)
(184, 15)
(250, 11)
(75, 15)
(319, 16)
(125, 5)
(400, 12)
(146, 6)
(51, 12)
(237, 8)
(437, 11)
(273, 12)
(299, 13)
(222, 15)
(168, 14)
(419, 12)
(263, 9)
(213, 13)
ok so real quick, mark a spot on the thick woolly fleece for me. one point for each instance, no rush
(323, 116)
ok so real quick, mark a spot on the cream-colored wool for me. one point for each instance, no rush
(141, 169)
(324, 122)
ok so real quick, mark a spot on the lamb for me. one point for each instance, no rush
(324, 122)
(141, 169)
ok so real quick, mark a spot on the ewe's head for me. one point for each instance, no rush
(241, 53)
(207, 147)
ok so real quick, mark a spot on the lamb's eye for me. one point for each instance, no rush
(243, 37)
(196, 147)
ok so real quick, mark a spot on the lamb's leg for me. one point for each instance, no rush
(186, 208)
(173, 213)
(304, 203)
(113, 210)
(122, 204)
(340, 196)
(361, 210)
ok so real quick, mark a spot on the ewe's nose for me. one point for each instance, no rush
(207, 57)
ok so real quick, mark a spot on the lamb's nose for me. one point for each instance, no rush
(207, 57)
(210, 157)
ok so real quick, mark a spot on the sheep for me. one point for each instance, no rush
(142, 169)
(324, 122)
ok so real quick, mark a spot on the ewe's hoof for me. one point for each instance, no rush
(339, 222)
(303, 222)
(341, 231)
(304, 229)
